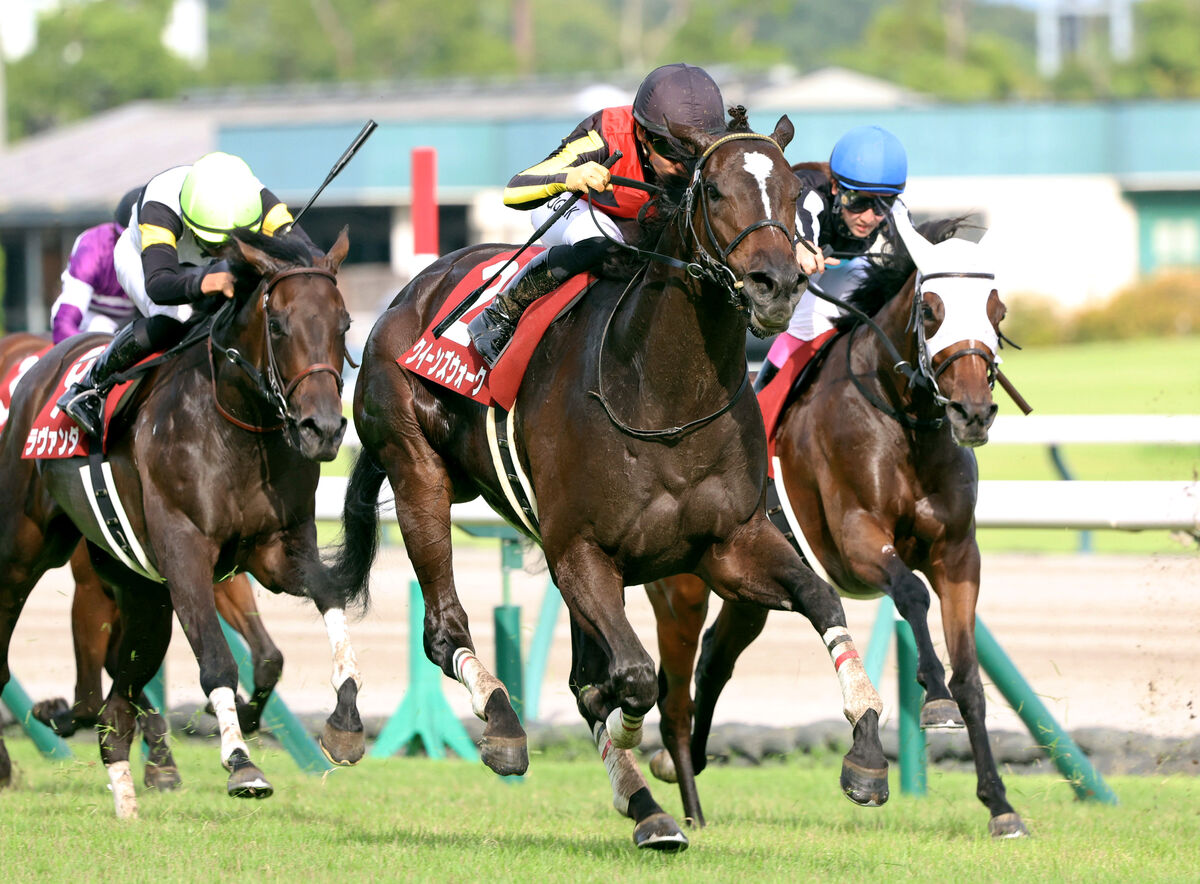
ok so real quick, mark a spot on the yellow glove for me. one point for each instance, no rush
(589, 176)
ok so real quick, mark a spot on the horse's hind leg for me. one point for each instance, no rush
(422, 490)
(680, 604)
(654, 828)
(955, 577)
(235, 603)
(759, 566)
(146, 610)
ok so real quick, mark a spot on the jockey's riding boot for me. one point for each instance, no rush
(767, 371)
(84, 401)
(492, 329)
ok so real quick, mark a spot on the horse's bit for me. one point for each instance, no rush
(271, 387)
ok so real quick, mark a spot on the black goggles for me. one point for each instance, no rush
(662, 146)
(861, 200)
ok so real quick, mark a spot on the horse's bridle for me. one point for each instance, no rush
(924, 359)
(715, 270)
(269, 385)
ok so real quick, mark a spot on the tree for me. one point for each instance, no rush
(89, 57)
(1166, 60)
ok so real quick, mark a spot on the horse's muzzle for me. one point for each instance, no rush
(970, 421)
(318, 437)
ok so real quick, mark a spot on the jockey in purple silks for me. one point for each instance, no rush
(92, 300)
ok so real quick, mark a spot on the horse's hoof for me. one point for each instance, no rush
(659, 832)
(507, 756)
(866, 787)
(248, 782)
(941, 714)
(163, 777)
(56, 715)
(341, 747)
(1007, 825)
(663, 767)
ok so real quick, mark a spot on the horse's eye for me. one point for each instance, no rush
(927, 312)
(711, 191)
(275, 326)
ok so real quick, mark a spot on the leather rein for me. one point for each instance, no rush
(269, 384)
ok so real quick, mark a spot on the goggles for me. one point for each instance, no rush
(860, 200)
(662, 146)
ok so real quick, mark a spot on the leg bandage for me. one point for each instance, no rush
(478, 681)
(858, 694)
(224, 706)
(622, 769)
(345, 663)
(624, 730)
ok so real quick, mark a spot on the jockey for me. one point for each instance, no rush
(92, 300)
(845, 208)
(577, 242)
(163, 260)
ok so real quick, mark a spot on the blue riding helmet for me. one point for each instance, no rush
(869, 158)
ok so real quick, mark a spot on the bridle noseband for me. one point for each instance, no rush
(268, 384)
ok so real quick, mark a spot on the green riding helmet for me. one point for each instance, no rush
(220, 194)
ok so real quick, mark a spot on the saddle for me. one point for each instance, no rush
(790, 381)
(451, 361)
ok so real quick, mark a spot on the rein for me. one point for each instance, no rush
(715, 270)
(269, 386)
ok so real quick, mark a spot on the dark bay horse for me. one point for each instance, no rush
(217, 473)
(642, 450)
(96, 624)
(881, 481)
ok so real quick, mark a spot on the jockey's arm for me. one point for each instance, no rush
(167, 280)
(575, 166)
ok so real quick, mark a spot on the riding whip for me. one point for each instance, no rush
(362, 136)
(469, 301)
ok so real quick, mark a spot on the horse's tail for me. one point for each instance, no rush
(346, 574)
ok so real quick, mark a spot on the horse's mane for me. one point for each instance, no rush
(290, 248)
(659, 211)
(888, 271)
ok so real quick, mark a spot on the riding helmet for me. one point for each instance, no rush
(220, 194)
(869, 158)
(680, 93)
(125, 207)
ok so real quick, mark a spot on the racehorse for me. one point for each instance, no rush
(217, 472)
(880, 479)
(96, 625)
(642, 451)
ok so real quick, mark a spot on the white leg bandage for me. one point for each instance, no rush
(121, 781)
(625, 731)
(858, 694)
(224, 706)
(345, 664)
(478, 680)
(622, 769)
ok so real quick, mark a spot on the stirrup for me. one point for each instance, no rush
(86, 408)
(491, 335)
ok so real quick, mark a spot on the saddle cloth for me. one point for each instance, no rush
(452, 360)
(796, 373)
(8, 383)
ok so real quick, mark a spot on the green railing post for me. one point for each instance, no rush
(539, 650)
(881, 638)
(912, 738)
(1085, 780)
(277, 717)
(424, 715)
(507, 620)
(20, 705)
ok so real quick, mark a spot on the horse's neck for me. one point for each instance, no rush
(872, 356)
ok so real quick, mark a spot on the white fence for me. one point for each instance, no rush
(1076, 505)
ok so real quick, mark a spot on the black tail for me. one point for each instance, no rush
(346, 575)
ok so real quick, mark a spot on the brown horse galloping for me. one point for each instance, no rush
(643, 453)
(217, 472)
(881, 481)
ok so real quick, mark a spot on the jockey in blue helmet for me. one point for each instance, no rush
(843, 206)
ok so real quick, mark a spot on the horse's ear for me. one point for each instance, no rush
(784, 130)
(335, 256)
(919, 248)
(265, 264)
(697, 139)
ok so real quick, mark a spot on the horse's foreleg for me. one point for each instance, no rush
(955, 576)
(12, 598)
(868, 549)
(654, 828)
(758, 565)
(680, 605)
(235, 603)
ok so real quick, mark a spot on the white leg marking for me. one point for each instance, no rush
(622, 769)
(759, 165)
(121, 782)
(478, 680)
(224, 707)
(625, 731)
(345, 663)
(858, 694)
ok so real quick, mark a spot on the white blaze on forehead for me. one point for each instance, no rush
(759, 165)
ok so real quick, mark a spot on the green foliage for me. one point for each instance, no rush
(1166, 60)
(91, 56)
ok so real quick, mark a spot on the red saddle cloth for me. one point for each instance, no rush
(452, 360)
(53, 434)
(8, 383)
(774, 395)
